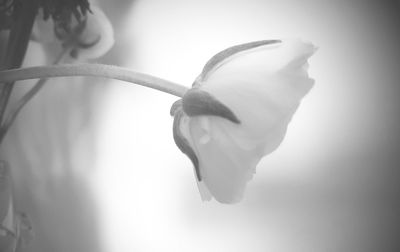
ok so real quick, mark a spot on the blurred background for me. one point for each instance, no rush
(96, 168)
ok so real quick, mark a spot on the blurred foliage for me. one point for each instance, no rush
(61, 11)
(51, 147)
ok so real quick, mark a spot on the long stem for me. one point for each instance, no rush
(24, 16)
(95, 70)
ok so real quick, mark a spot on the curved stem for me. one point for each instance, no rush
(17, 44)
(95, 70)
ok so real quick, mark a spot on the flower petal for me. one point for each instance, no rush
(184, 130)
(90, 39)
(98, 29)
(182, 143)
(263, 87)
(224, 165)
(220, 57)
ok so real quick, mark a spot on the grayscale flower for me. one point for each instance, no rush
(89, 37)
(238, 111)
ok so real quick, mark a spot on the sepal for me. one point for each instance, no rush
(180, 140)
(218, 58)
(196, 102)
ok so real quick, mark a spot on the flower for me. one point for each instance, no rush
(238, 111)
(89, 36)
(97, 38)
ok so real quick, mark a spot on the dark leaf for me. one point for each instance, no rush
(182, 142)
(197, 102)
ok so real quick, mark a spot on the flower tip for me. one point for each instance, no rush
(175, 107)
(205, 194)
(311, 48)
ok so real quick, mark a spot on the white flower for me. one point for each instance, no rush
(99, 29)
(90, 38)
(238, 111)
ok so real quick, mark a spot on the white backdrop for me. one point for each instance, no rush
(328, 187)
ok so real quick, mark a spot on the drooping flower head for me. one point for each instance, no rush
(89, 35)
(238, 111)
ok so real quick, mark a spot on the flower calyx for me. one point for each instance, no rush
(197, 102)
(180, 141)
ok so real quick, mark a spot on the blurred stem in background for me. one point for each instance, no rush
(14, 111)
(23, 17)
(17, 17)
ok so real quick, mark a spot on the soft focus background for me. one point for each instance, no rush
(97, 169)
